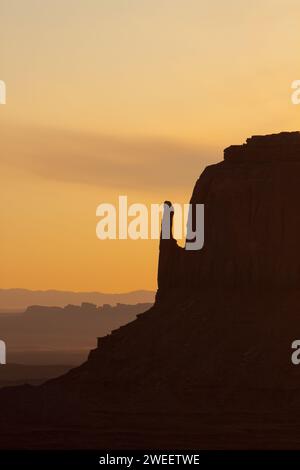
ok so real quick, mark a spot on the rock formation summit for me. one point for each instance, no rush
(212, 357)
(252, 221)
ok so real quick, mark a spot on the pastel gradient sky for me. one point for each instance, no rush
(136, 97)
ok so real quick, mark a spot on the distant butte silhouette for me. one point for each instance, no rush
(209, 365)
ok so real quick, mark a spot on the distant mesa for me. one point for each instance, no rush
(20, 299)
(59, 329)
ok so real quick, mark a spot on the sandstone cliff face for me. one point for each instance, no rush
(252, 221)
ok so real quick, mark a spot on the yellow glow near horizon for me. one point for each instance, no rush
(136, 96)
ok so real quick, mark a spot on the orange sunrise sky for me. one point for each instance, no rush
(136, 97)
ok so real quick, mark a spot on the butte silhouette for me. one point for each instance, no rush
(209, 365)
